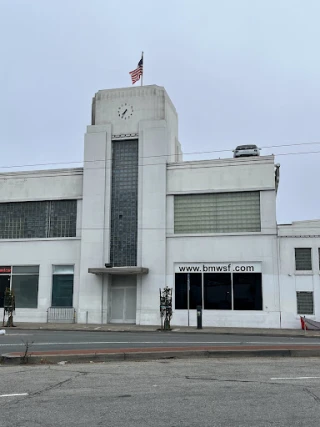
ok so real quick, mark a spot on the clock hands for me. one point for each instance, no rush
(125, 111)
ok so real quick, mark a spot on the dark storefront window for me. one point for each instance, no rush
(247, 291)
(181, 294)
(217, 291)
(62, 286)
(5, 282)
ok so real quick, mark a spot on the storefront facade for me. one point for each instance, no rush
(104, 238)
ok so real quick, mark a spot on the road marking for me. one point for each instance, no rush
(296, 378)
(13, 394)
(265, 343)
(17, 335)
(120, 342)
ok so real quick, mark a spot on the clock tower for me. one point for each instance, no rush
(133, 135)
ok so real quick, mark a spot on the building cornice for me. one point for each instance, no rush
(248, 161)
(42, 173)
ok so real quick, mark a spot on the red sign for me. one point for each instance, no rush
(6, 270)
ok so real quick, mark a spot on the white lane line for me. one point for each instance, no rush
(121, 342)
(14, 394)
(296, 378)
(282, 343)
(230, 343)
(17, 335)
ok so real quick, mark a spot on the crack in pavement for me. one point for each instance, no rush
(313, 395)
(244, 381)
(39, 392)
(227, 380)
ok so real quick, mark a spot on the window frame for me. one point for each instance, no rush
(11, 274)
(214, 206)
(313, 307)
(62, 274)
(40, 219)
(203, 292)
(303, 271)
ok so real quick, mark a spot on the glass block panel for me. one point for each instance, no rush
(63, 269)
(25, 269)
(23, 220)
(124, 203)
(305, 303)
(31, 220)
(303, 259)
(62, 218)
(217, 213)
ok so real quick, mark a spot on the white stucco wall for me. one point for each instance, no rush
(41, 185)
(246, 249)
(302, 234)
(154, 124)
(256, 173)
(45, 253)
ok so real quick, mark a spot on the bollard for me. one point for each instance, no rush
(199, 317)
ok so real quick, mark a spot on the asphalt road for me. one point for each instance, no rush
(277, 392)
(14, 341)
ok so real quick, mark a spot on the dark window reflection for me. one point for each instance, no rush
(247, 291)
(217, 291)
(181, 287)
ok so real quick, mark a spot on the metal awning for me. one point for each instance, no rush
(119, 270)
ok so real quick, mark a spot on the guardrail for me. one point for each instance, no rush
(61, 315)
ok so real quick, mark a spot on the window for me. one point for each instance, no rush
(303, 259)
(247, 292)
(195, 290)
(24, 281)
(221, 291)
(305, 303)
(217, 213)
(124, 203)
(29, 220)
(217, 291)
(62, 286)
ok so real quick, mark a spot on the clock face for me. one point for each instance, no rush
(125, 111)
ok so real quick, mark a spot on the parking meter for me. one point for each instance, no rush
(199, 317)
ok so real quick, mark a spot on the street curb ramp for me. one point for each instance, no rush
(96, 357)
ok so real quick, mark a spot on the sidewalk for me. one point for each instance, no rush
(175, 329)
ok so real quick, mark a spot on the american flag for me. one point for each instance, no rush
(137, 73)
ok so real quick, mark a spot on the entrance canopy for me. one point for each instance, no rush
(119, 270)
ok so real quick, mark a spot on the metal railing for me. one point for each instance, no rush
(61, 315)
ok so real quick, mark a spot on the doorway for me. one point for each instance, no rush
(123, 299)
(4, 284)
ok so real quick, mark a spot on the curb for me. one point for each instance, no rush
(308, 334)
(148, 356)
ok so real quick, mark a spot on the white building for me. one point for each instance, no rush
(155, 221)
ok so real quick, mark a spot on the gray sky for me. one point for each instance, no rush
(238, 71)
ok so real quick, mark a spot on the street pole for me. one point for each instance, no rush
(188, 297)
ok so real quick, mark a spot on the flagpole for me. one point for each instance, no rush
(142, 69)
